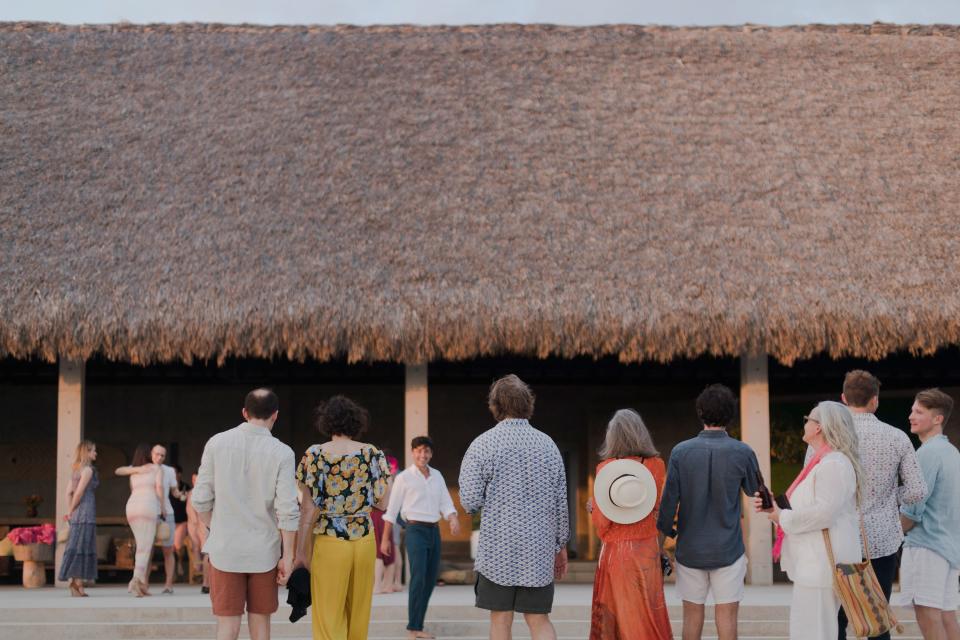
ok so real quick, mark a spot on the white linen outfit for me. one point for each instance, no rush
(826, 499)
(168, 480)
(418, 498)
(892, 477)
(143, 509)
(248, 479)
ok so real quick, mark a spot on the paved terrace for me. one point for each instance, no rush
(111, 614)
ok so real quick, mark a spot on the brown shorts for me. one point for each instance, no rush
(229, 592)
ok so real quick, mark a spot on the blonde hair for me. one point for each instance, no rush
(81, 458)
(836, 421)
(627, 436)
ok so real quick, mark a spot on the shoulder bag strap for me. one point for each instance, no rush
(826, 541)
(863, 538)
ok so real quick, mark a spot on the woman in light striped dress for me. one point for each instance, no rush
(143, 512)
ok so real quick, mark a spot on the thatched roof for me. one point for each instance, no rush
(399, 193)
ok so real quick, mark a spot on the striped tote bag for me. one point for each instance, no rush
(860, 595)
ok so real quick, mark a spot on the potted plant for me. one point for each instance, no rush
(33, 546)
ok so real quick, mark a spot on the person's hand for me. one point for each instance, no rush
(773, 512)
(758, 504)
(454, 525)
(590, 505)
(299, 561)
(386, 545)
(284, 569)
(66, 518)
(560, 565)
(665, 563)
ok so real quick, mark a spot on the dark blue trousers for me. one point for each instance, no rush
(423, 549)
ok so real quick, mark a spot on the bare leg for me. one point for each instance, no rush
(169, 567)
(206, 572)
(950, 625)
(398, 559)
(389, 577)
(228, 627)
(540, 626)
(501, 625)
(726, 619)
(930, 621)
(692, 620)
(259, 625)
(378, 573)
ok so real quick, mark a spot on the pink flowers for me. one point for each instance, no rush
(44, 534)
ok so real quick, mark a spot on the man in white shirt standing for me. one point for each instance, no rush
(169, 481)
(245, 490)
(420, 496)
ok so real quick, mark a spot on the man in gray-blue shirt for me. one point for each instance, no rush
(931, 550)
(705, 476)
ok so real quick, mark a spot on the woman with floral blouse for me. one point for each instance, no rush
(340, 481)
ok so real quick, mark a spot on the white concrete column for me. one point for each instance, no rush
(755, 431)
(70, 398)
(415, 407)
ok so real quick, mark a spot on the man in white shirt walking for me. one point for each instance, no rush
(245, 490)
(420, 496)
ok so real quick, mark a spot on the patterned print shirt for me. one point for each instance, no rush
(514, 475)
(344, 488)
(887, 457)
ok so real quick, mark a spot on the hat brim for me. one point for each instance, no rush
(601, 491)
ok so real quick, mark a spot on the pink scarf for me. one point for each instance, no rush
(814, 461)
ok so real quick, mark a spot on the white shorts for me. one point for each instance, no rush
(927, 579)
(726, 583)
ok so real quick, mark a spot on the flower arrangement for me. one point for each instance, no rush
(32, 501)
(42, 534)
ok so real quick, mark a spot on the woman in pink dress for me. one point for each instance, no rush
(143, 512)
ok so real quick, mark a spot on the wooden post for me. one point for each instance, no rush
(415, 404)
(70, 399)
(755, 431)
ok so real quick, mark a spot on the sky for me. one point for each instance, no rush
(568, 12)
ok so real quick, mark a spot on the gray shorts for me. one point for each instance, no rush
(495, 597)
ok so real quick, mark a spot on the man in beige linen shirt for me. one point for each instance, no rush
(245, 492)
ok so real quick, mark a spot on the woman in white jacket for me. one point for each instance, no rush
(825, 495)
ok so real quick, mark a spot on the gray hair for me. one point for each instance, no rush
(836, 421)
(627, 436)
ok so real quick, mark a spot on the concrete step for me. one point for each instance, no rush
(154, 626)
(111, 614)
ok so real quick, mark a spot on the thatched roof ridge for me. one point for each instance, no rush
(400, 193)
(875, 28)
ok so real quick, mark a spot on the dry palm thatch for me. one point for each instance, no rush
(402, 193)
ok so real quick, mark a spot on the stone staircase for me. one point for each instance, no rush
(128, 619)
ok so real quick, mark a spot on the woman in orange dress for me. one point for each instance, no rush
(628, 600)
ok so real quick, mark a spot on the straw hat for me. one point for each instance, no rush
(625, 491)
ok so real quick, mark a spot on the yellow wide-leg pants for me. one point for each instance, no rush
(341, 587)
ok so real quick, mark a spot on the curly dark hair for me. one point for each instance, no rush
(341, 416)
(716, 406)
